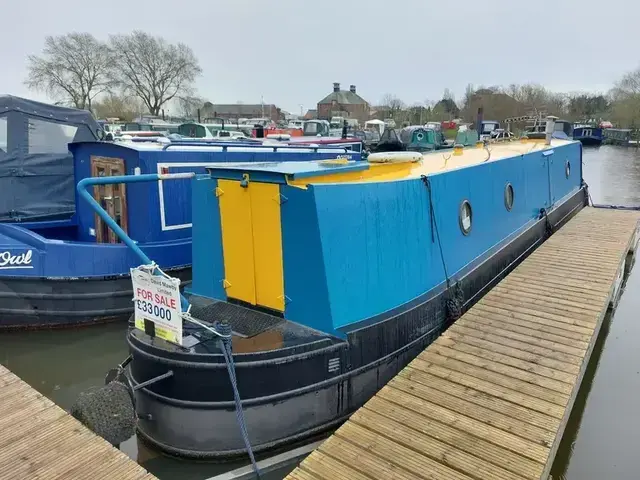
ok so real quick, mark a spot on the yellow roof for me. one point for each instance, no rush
(434, 162)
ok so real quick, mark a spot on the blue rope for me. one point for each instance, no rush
(225, 329)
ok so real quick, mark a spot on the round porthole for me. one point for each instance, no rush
(508, 196)
(567, 168)
(465, 217)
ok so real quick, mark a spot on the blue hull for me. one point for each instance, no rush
(592, 136)
(373, 273)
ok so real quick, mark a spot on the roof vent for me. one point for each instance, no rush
(352, 88)
(336, 87)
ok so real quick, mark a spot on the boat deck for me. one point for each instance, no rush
(38, 439)
(491, 397)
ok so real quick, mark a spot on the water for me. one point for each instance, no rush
(602, 434)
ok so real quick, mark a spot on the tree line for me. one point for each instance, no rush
(123, 76)
(128, 75)
(620, 105)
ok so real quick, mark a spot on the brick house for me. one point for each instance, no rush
(343, 103)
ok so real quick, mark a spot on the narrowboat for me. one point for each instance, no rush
(332, 277)
(65, 267)
(588, 134)
(617, 136)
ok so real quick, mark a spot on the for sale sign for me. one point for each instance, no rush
(157, 299)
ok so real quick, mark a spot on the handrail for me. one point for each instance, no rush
(225, 145)
(111, 223)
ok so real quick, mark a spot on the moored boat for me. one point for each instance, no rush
(334, 287)
(74, 270)
(588, 134)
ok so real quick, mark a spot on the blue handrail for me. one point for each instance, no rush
(122, 235)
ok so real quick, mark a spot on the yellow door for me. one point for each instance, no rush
(252, 242)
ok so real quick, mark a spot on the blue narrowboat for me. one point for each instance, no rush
(588, 134)
(74, 270)
(334, 277)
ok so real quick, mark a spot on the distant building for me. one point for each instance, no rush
(237, 111)
(343, 103)
(311, 115)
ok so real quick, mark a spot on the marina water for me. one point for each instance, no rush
(601, 434)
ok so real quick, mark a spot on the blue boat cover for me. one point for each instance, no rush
(36, 168)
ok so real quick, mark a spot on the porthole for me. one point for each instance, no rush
(508, 196)
(567, 168)
(465, 217)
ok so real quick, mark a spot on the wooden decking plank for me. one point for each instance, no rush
(533, 378)
(422, 380)
(511, 349)
(412, 421)
(368, 460)
(551, 296)
(490, 388)
(428, 358)
(505, 359)
(40, 440)
(382, 434)
(490, 398)
(523, 313)
(476, 428)
(544, 353)
(326, 467)
(530, 330)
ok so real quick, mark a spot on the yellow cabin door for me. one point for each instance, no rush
(252, 243)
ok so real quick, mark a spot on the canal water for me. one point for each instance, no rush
(603, 432)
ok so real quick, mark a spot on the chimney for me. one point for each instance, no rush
(336, 87)
(352, 88)
(548, 132)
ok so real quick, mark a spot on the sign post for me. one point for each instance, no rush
(156, 298)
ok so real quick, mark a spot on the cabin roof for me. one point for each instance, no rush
(432, 163)
(10, 103)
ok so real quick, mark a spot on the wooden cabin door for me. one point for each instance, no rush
(113, 198)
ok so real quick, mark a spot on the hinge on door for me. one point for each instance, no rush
(286, 299)
(225, 283)
(218, 191)
(280, 199)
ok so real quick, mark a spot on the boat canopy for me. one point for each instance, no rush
(36, 168)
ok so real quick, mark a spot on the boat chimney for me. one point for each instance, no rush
(548, 132)
(336, 86)
(479, 119)
(352, 88)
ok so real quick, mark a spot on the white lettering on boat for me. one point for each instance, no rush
(22, 260)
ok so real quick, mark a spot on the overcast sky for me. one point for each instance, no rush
(291, 51)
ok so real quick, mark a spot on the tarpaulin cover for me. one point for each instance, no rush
(36, 168)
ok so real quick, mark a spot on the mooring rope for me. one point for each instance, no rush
(454, 295)
(223, 330)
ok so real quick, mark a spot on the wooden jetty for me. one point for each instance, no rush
(491, 397)
(39, 440)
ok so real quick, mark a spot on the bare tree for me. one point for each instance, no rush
(152, 69)
(73, 69)
(189, 105)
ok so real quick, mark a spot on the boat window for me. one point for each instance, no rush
(508, 196)
(311, 128)
(3, 135)
(465, 217)
(567, 169)
(223, 133)
(49, 137)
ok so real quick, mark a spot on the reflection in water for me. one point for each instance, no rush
(603, 432)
